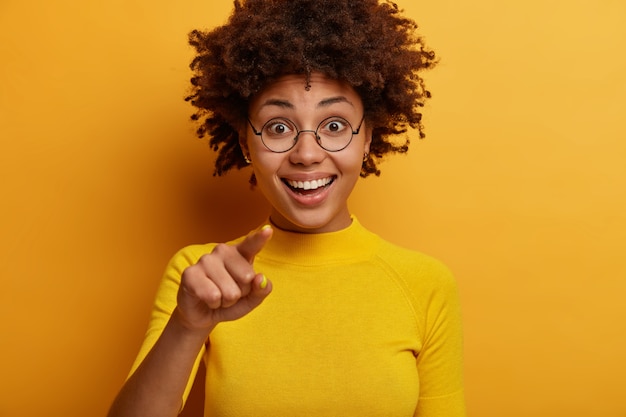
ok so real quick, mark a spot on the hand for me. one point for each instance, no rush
(222, 285)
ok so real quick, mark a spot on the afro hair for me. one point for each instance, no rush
(366, 43)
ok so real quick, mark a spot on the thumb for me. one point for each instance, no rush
(254, 242)
(261, 288)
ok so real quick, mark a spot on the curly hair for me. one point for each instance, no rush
(367, 44)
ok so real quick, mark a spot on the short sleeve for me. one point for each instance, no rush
(165, 303)
(440, 361)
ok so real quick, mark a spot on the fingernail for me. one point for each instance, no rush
(263, 283)
(266, 227)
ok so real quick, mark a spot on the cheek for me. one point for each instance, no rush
(350, 164)
(265, 165)
(355, 158)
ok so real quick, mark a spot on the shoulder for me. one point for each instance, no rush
(422, 276)
(411, 263)
(428, 284)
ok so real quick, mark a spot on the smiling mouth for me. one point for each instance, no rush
(308, 187)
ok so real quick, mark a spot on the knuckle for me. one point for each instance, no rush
(206, 260)
(231, 295)
(248, 276)
(221, 249)
(212, 297)
(191, 284)
(189, 275)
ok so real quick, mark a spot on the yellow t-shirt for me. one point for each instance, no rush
(354, 326)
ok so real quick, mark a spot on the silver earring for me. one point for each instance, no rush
(366, 156)
(247, 159)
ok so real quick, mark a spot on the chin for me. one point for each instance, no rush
(311, 222)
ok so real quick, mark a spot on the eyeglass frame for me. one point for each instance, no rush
(318, 139)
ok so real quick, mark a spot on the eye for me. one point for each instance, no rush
(334, 126)
(278, 128)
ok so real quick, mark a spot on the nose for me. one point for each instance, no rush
(307, 150)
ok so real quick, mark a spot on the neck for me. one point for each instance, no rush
(352, 242)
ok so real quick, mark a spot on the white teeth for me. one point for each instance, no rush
(309, 185)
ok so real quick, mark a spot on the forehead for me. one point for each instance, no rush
(291, 92)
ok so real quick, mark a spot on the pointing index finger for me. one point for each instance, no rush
(254, 242)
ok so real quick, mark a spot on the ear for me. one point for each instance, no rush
(243, 141)
(368, 139)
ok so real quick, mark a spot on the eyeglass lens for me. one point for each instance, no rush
(281, 134)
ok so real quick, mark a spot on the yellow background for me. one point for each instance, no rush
(519, 187)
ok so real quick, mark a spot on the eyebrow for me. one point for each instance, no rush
(332, 100)
(324, 103)
(278, 103)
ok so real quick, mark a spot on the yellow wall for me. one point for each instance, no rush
(520, 187)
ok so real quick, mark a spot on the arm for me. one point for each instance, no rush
(221, 286)
(440, 363)
(156, 387)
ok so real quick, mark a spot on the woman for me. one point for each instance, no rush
(310, 314)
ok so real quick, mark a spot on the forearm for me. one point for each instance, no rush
(156, 388)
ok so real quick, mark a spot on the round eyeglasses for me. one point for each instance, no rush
(333, 134)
